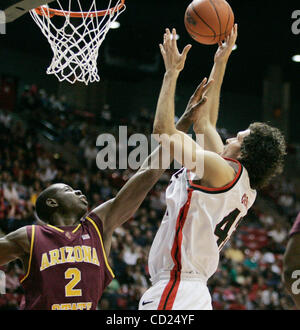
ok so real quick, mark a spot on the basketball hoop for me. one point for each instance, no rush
(75, 44)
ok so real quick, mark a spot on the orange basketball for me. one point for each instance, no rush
(209, 21)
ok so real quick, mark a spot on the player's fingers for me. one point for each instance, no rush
(186, 50)
(198, 105)
(162, 50)
(168, 36)
(207, 86)
(164, 39)
(199, 89)
(227, 40)
(235, 31)
(202, 85)
(202, 101)
(235, 28)
(204, 81)
(232, 30)
(233, 34)
(174, 41)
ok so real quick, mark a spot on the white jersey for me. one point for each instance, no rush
(197, 224)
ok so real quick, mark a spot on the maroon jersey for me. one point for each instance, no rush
(67, 268)
(296, 227)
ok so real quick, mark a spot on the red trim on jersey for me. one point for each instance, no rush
(229, 185)
(170, 291)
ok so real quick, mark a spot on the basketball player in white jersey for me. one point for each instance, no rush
(203, 207)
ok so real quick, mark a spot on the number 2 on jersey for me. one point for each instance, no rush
(75, 275)
(224, 227)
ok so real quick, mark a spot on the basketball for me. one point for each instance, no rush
(209, 21)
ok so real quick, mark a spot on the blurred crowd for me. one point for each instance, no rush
(249, 272)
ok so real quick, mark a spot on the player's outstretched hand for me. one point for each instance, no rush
(174, 61)
(197, 100)
(226, 47)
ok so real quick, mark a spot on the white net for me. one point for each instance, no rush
(75, 41)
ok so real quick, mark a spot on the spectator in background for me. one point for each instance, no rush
(278, 233)
(90, 154)
(233, 253)
(105, 190)
(48, 174)
(10, 192)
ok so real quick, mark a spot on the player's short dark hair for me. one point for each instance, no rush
(43, 211)
(262, 154)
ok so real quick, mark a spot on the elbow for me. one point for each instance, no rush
(149, 175)
(156, 130)
(159, 130)
(161, 127)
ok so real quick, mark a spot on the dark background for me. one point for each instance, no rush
(265, 42)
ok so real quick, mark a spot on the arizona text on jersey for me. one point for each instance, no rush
(68, 268)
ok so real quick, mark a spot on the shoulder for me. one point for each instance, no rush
(21, 237)
(218, 171)
(94, 221)
(101, 213)
(239, 180)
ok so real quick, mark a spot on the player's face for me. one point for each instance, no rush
(70, 199)
(233, 146)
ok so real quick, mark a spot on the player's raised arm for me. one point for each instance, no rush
(208, 116)
(187, 152)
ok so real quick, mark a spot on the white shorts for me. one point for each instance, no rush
(169, 295)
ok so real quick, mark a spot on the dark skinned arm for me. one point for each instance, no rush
(13, 246)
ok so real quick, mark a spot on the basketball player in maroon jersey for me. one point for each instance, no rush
(65, 256)
(291, 263)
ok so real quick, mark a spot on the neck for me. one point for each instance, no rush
(64, 220)
(229, 154)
